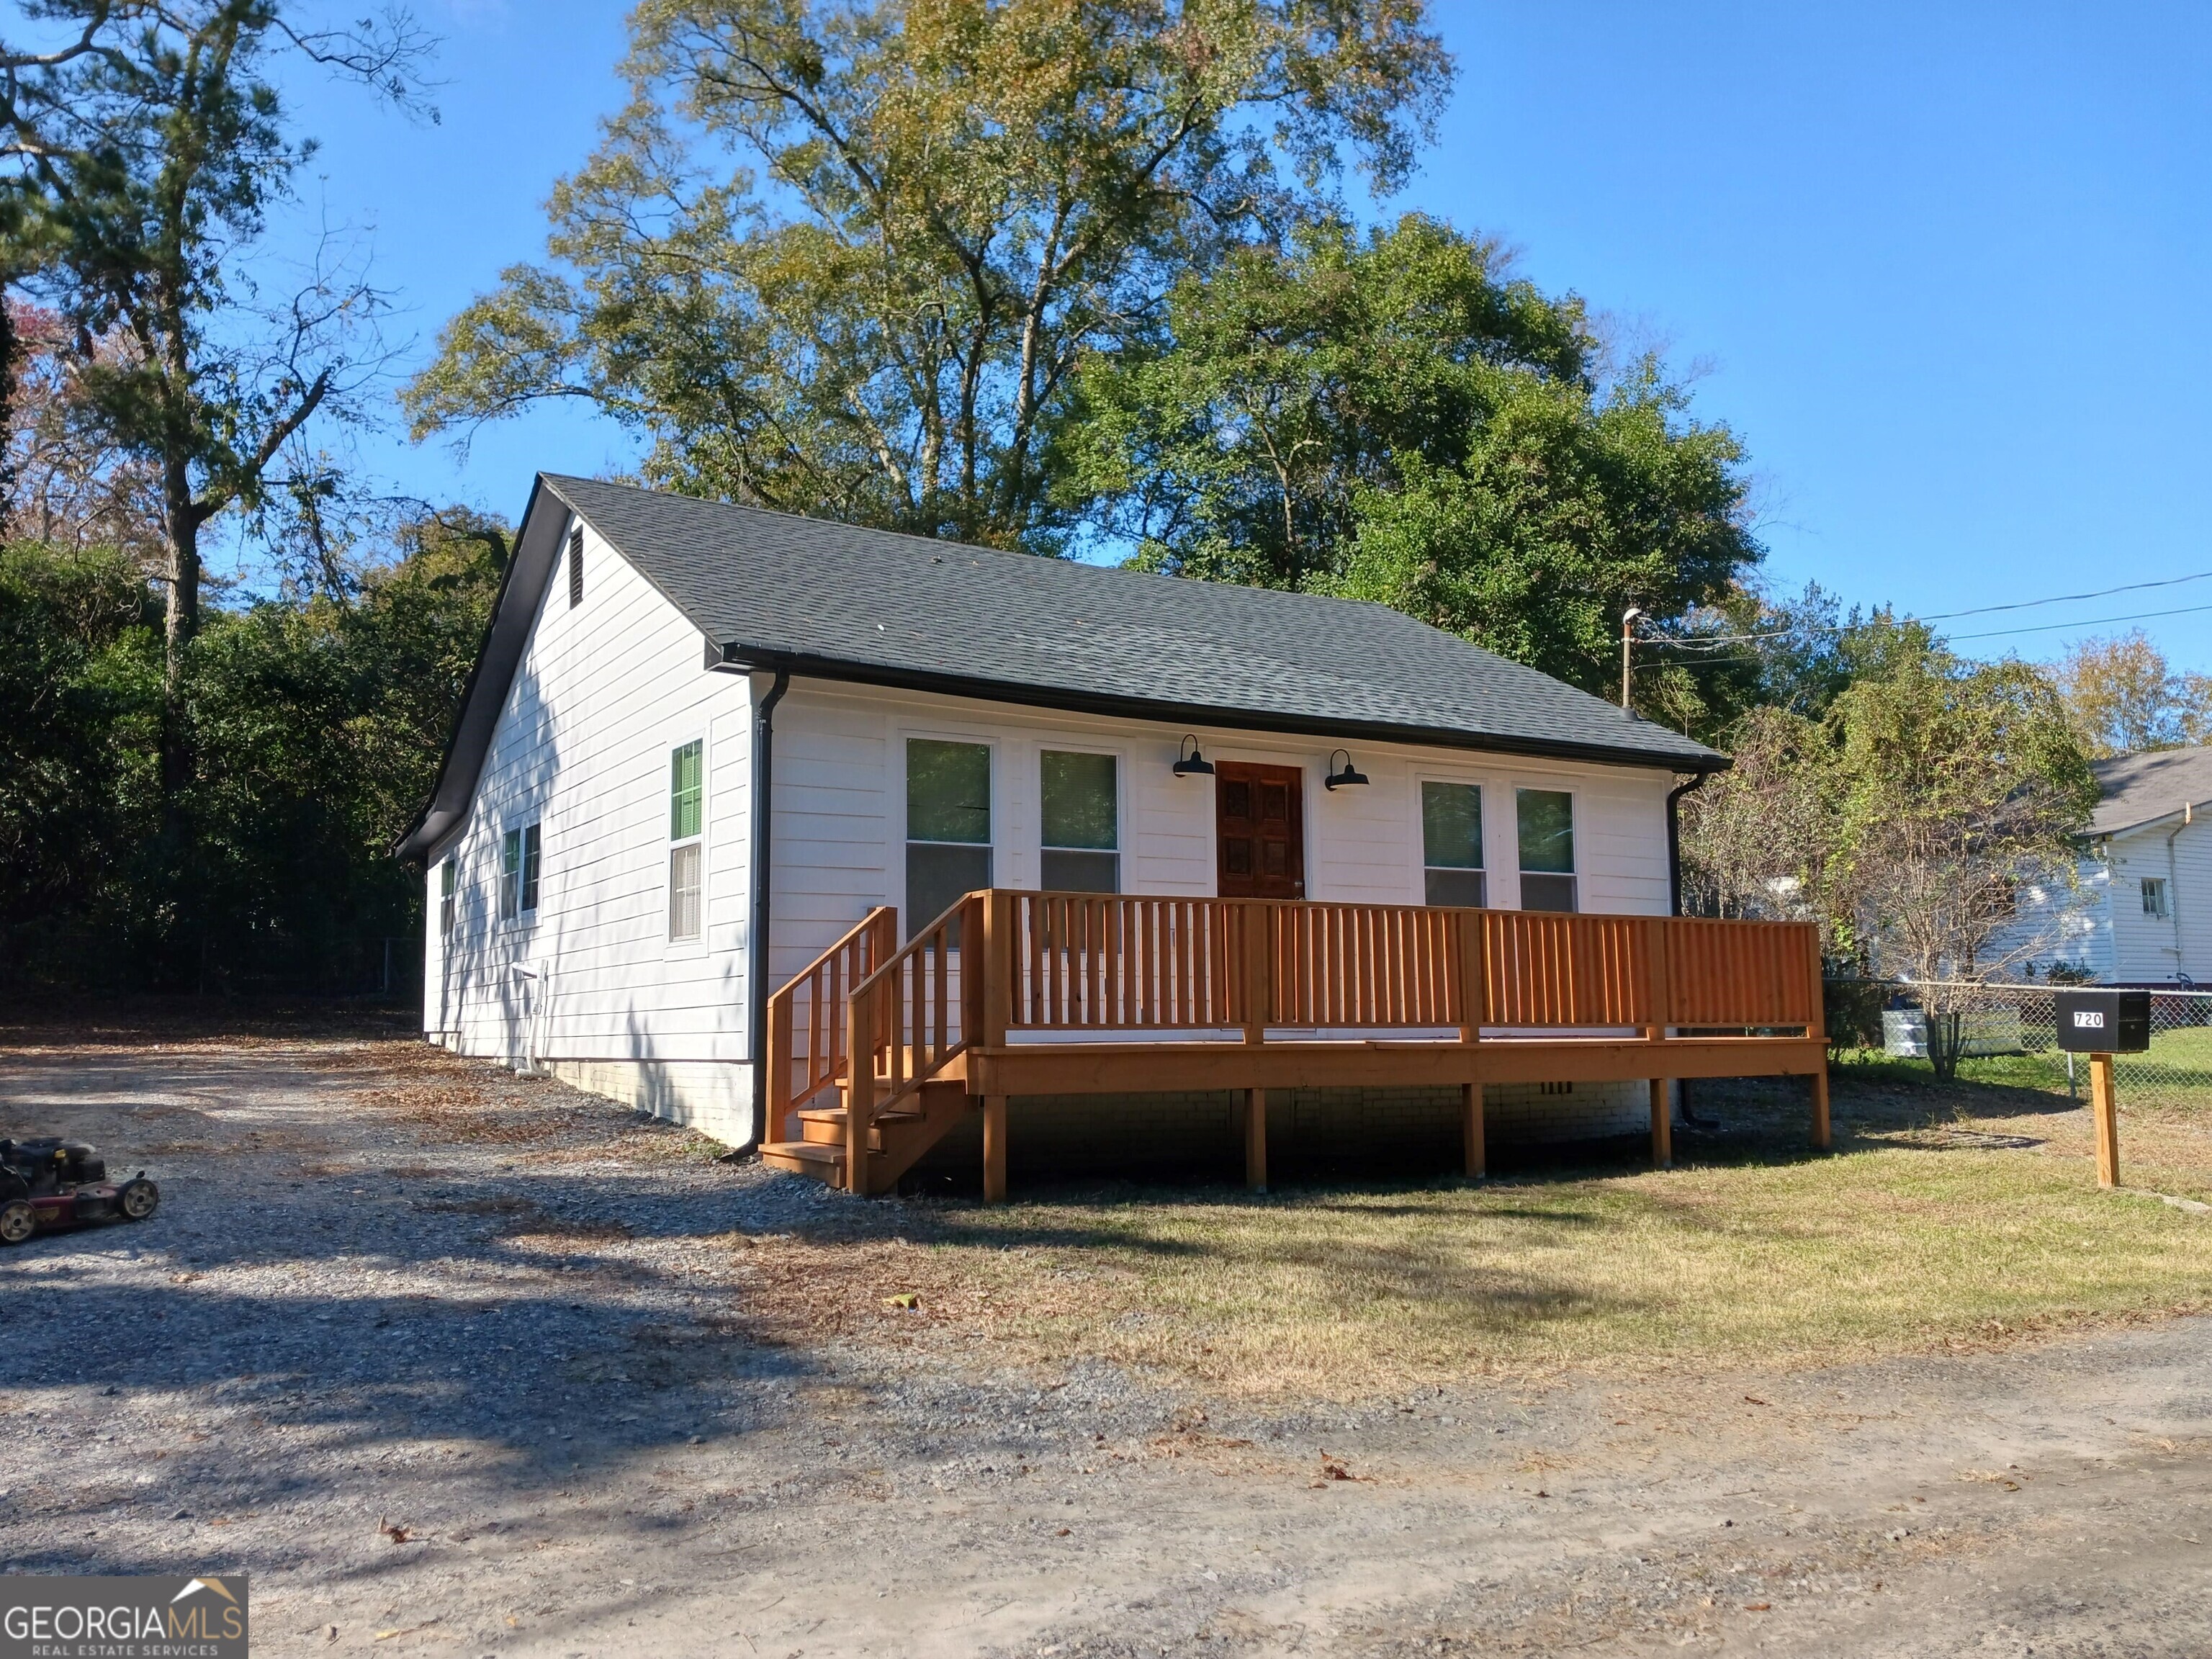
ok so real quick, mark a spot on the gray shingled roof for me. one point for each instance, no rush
(827, 601)
(2152, 785)
(821, 598)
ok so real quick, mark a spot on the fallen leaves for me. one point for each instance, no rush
(1335, 1469)
(396, 1535)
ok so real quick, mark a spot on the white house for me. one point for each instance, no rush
(2143, 915)
(703, 740)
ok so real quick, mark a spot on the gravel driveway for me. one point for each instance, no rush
(458, 1364)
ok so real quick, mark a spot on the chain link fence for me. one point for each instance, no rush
(2016, 1024)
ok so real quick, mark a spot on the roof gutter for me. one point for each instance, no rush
(736, 654)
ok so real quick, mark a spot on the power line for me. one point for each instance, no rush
(1706, 642)
(2099, 622)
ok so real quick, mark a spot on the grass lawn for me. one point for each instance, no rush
(1944, 1216)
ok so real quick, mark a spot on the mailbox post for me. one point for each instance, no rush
(2101, 1023)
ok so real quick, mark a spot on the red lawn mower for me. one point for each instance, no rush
(49, 1182)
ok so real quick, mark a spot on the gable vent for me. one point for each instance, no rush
(575, 568)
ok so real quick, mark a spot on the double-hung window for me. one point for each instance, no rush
(1080, 822)
(1451, 844)
(948, 826)
(449, 882)
(2155, 900)
(1547, 849)
(687, 822)
(518, 873)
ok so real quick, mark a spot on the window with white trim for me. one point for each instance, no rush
(948, 825)
(518, 873)
(2155, 902)
(687, 823)
(1080, 795)
(449, 889)
(1547, 849)
(1451, 844)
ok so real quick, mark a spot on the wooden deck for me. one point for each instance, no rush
(1060, 993)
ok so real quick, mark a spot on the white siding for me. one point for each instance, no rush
(2108, 936)
(603, 694)
(2152, 947)
(840, 832)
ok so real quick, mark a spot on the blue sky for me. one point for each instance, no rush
(1943, 268)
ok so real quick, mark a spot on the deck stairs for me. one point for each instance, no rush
(897, 1138)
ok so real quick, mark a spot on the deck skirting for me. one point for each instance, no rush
(1196, 1130)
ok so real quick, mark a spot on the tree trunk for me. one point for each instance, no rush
(181, 624)
(8, 353)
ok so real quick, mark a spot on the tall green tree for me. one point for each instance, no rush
(2124, 696)
(846, 258)
(80, 712)
(1392, 417)
(1908, 819)
(150, 151)
(320, 717)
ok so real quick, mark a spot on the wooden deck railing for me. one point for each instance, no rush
(807, 1045)
(1080, 963)
(1087, 967)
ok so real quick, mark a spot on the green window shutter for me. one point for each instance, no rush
(687, 791)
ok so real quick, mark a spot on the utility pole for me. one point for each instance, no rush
(1627, 637)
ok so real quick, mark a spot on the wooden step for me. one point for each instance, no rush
(805, 1158)
(897, 1137)
(825, 1125)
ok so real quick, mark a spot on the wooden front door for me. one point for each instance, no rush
(1260, 830)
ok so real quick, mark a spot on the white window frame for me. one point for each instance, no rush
(2157, 898)
(449, 896)
(1551, 786)
(518, 881)
(1120, 758)
(1486, 790)
(897, 821)
(696, 844)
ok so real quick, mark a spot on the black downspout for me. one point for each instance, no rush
(764, 770)
(1674, 842)
(1674, 908)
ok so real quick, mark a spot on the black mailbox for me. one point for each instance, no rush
(2102, 1022)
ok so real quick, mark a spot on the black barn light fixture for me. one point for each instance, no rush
(1193, 764)
(1338, 780)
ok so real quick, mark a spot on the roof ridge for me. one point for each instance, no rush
(1048, 560)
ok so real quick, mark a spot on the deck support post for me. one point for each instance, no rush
(1821, 1132)
(1662, 1125)
(1256, 1140)
(2106, 1110)
(1472, 993)
(994, 1149)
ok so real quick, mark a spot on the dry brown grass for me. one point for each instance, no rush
(1906, 1239)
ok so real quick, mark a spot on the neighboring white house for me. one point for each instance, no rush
(2144, 912)
(923, 718)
